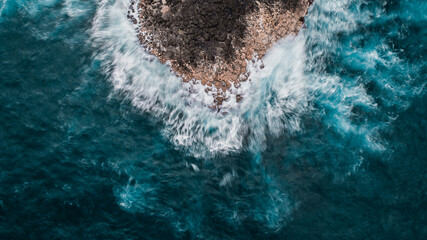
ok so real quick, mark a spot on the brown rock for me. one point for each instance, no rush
(212, 40)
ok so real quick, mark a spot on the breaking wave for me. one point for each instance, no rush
(293, 83)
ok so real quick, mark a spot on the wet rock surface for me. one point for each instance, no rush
(212, 41)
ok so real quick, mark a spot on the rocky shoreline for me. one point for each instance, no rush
(212, 41)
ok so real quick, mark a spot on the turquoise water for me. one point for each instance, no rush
(98, 140)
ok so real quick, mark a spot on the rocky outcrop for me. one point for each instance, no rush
(212, 40)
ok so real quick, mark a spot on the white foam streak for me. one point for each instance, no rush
(273, 100)
(184, 107)
(3, 7)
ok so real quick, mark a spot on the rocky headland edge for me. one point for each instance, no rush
(213, 40)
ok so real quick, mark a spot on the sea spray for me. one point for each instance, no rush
(184, 107)
(274, 98)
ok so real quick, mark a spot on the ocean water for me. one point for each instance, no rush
(99, 140)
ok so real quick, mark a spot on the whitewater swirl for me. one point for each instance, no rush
(292, 84)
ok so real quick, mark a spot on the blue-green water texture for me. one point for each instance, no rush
(99, 140)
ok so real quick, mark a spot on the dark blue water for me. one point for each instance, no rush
(98, 140)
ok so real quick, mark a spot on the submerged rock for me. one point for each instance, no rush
(212, 41)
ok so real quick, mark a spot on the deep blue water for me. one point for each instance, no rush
(98, 140)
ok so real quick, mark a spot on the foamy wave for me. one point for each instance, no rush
(274, 99)
(184, 107)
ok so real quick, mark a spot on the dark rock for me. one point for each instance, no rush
(213, 39)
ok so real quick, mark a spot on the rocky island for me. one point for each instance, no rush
(213, 40)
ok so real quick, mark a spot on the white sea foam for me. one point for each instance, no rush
(3, 6)
(76, 8)
(274, 99)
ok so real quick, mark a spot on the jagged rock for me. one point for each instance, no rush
(212, 40)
